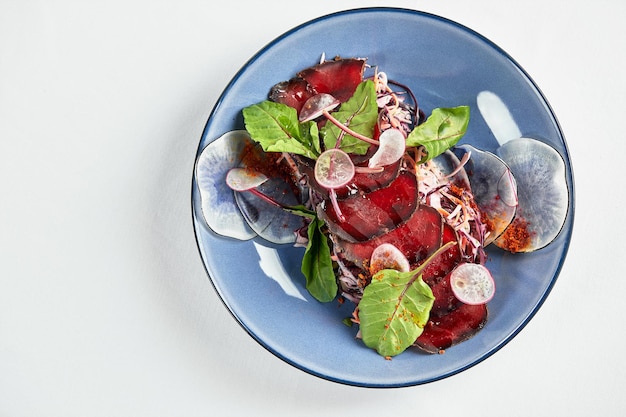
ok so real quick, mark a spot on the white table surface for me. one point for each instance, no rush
(105, 307)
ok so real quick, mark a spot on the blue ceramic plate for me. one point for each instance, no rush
(445, 64)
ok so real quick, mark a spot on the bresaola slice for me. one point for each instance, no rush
(445, 301)
(374, 213)
(338, 77)
(365, 182)
(452, 328)
(443, 264)
(417, 238)
(294, 93)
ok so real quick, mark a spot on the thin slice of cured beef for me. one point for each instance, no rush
(445, 300)
(365, 182)
(452, 328)
(443, 264)
(294, 93)
(371, 214)
(338, 77)
(417, 238)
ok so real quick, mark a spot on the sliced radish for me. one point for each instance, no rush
(334, 169)
(493, 186)
(219, 208)
(472, 283)
(242, 179)
(317, 105)
(543, 194)
(266, 209)
(391, 149)
(387, 256)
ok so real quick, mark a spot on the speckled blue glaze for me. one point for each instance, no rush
(445, 64)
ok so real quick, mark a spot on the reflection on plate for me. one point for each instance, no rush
(445, 64)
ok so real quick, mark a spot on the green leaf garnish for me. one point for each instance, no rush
(276, 128)
(395, 308)
(359, 113)
(317, 264)
(302, 211)
(442, 130)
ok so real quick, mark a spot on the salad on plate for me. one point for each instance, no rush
(393, 211)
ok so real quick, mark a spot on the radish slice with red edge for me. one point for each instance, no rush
(472, 284)
(334, 169)
(219, 209)
(387, 256)
(391, 149)
(242, 179)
